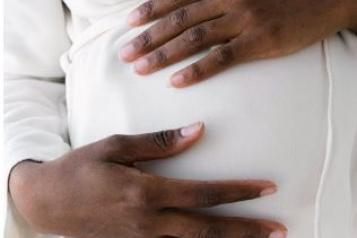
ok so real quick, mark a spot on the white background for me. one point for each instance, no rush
(2, 183)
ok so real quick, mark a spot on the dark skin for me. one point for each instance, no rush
(96, 191)
(245, 30)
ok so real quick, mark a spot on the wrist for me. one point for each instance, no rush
(24, 189)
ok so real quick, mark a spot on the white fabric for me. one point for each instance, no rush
(267, 119)
(34, 93)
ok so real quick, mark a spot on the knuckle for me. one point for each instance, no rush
(177, 3)
(114, 139)
(252, 229)
(210, 231)
(160, 57)
(252, 14)
(195, 71)
(139, 195)
(164, 139)
(143, 40)
(179, 17)
(120, 148)
(114, 142)
(195, 34)
(208, 197)
(147, 9)
(223, 55)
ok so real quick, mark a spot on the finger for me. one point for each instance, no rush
(169, 27)
(189, 42)
(189, 225)
(196, 194)
(154, 9)
(130, 149)
(240, 49)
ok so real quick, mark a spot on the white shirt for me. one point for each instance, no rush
(291, 119)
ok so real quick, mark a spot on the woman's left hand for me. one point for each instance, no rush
(244, 29)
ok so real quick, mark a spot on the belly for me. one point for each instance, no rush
(265, 120)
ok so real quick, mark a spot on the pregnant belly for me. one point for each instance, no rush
(265, 120)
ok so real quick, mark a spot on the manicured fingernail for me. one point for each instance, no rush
(268, 191)
(127, 52)
(142, 66)
(191, 130)
(134, 18)
(278, 234)
(178, 80)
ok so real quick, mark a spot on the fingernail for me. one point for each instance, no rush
(278, 234)
(142, 66)
(134, 18)
(127, 51)
(191, 130)
(268, 191)
(178, 80)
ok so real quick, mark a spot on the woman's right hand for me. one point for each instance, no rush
(96, 191)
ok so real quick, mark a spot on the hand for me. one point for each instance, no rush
(245, 29)
(96, 191)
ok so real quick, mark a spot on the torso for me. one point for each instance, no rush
(265, 120)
